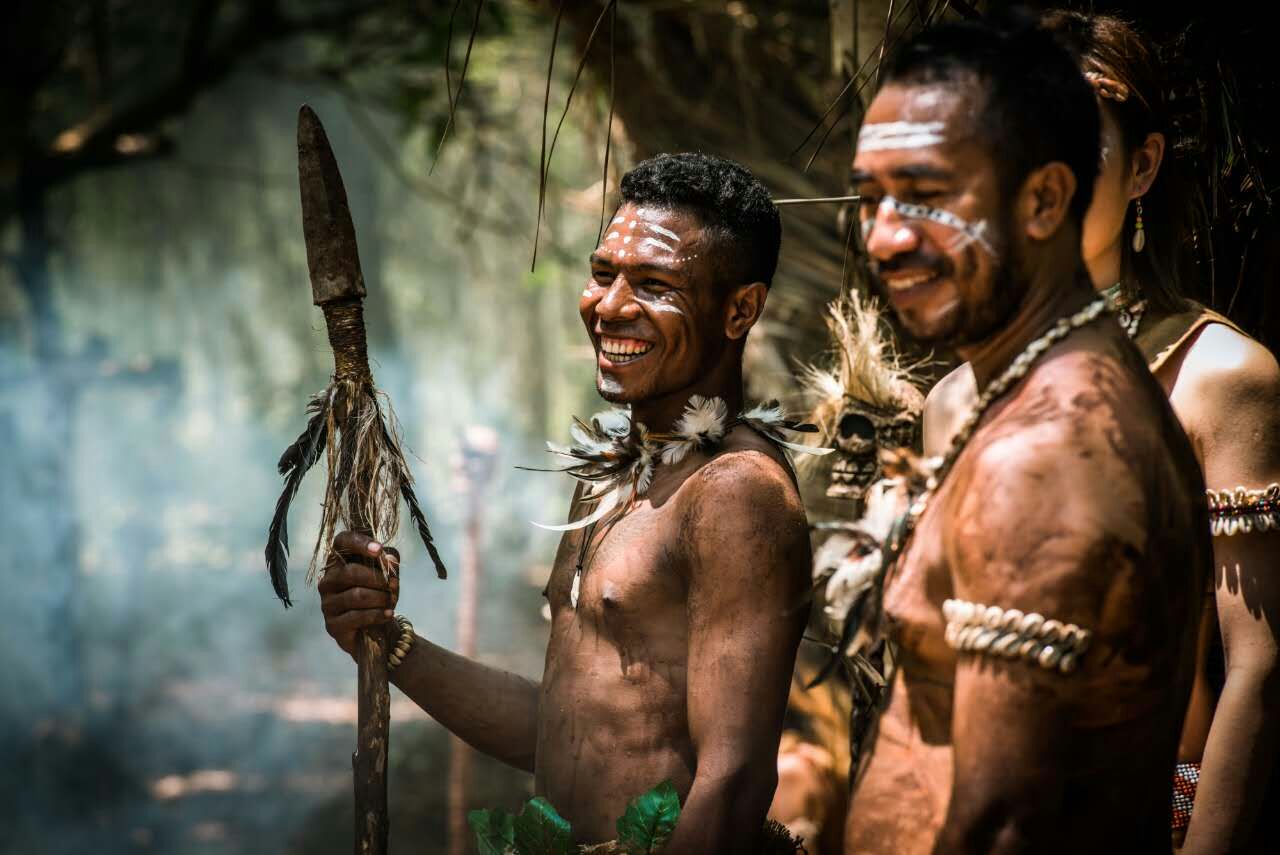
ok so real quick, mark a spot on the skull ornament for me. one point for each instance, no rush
(861, 432)
(867, 402)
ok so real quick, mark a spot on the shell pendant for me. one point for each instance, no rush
(575, 588)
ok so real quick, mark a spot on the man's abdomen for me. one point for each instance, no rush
(609, 732)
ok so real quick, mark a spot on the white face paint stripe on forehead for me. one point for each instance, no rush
(617, 220)
(656, 229)
(654, 242)
(967, 232)
(882, 136)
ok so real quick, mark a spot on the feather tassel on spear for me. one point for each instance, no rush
(352, 425)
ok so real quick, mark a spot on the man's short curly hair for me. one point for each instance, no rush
(730, 202)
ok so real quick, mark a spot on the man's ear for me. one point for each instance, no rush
(743, 308)
(1045, 200)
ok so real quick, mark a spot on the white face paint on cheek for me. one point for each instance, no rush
(665, 308)
(586, 292)
(966, 232)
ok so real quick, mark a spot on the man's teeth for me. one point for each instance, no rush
(902, 283)
(624, 348)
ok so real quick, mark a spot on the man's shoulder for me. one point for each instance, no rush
(1073, 445)
(748, 481)
(746, 467)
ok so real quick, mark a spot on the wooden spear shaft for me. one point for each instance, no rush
(337, 287)
(368, 476)
(345, 323)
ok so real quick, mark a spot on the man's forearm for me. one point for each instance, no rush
(493, 711)
(725, 813)
(1237, 765)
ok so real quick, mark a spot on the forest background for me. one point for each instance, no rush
(157, 343)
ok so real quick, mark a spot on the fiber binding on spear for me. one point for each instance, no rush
(353, 425)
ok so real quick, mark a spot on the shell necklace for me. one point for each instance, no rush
(1018, 369)
(1128, 312)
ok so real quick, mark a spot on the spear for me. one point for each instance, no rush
(352, 424)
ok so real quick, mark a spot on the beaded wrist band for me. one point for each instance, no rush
(1241, 511)
(403, 643)
(1010, 634)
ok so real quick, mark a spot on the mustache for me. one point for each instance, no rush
(614, 330)
(938, 265)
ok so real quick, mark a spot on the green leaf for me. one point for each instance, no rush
(495, 831)
(539, 830)
(649, 820)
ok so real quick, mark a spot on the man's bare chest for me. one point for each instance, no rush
(915, 589)
(628, 579)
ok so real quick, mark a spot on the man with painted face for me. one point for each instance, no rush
(1043, 602)
(674, 634)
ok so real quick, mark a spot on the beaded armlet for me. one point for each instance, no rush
(1241, 511)
(1010, 634)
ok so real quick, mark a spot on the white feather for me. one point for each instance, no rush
(607, 504)
(802, 449)
(848, 582)
(764, 413)
(675, 451)
(885, 501)
(829, 556)
(614, 422)
(588, 443)
(703, 419)
(644, 475)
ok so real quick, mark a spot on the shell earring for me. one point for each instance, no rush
(1139, 233)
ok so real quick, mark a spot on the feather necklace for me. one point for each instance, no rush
(615, 459)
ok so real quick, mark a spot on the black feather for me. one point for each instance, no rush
(837, 656)
(295, 453)
(420, 520)
(411, 500)
(294, 463)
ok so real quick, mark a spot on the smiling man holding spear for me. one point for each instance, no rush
(678, 594)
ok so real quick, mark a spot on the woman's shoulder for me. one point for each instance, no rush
(1222, 355)
(947, 403)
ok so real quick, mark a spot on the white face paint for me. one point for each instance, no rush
(657, 244)
(607, 384)
(664, 306)
(966, 232)
(659, 230)
(882, 136)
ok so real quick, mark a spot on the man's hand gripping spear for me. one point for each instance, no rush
(352, 422)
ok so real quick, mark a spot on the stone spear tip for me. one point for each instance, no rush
(332, 257)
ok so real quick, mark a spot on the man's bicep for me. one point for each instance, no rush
(747, 605)
(1009, 730)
